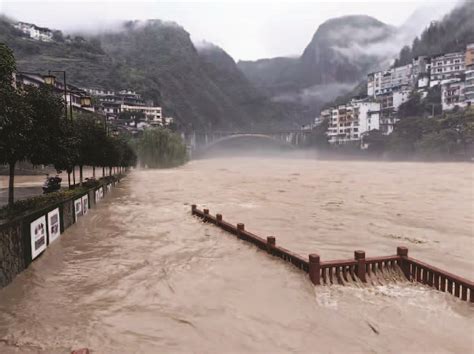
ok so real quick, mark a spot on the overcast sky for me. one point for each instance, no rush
(245, 29)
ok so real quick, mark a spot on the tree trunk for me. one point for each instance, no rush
(11, 184)
(103, 171)
(110, 171)
(93, 172)
(69, 179)
(80, 175)
(74, 175)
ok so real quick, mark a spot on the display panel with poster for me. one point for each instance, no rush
(78, 208)
(38, 236)
(54, 226)
(99, 194)
(85, 204)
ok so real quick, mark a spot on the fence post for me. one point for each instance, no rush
(271, 243)
(315, 269)
(193, 209)
(218, 218)
(240, 227)
(361, 271)
(402, 252)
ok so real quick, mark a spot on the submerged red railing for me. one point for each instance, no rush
(359, 269)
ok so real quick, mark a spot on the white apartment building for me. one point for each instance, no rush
(389, 104)
(349, 122)
(152, 114)
(452, 94)
(469, 87)
(400, 78)
(35, 32)
(469, 84)
(446, 66)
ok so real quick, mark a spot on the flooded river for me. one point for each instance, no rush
(140, 275)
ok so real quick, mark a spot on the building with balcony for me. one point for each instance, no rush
(452, 94)
(76, 98)
(447, 66)
(348, 123)
(469, 83)
(152, 113)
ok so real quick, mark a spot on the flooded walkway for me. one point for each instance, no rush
(140, 275)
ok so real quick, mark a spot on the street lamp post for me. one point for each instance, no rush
(51, 80)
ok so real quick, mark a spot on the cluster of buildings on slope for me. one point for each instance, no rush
(34, 32)
(109, 104)
(388, 89)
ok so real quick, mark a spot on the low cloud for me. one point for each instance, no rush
(317, 93)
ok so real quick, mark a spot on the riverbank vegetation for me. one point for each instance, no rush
(33, 128)
(160, 148)
(446, 137)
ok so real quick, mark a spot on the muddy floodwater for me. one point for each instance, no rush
(140, 275)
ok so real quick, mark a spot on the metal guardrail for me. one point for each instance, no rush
(358, 269)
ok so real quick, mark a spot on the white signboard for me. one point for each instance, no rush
(109, 187)
(78, 208)
(54, 226)
(85, 204)
(99, 194)
(38, 236)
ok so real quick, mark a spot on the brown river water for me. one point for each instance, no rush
(139, 274)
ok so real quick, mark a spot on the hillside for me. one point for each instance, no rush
(451, 34)
(158, 60)
(340, 53)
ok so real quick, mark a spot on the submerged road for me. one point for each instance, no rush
(140, 275)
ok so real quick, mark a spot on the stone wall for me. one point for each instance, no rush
(12, 252)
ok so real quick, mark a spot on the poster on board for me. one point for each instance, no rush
(85, 204)
(38, 236)
(99, 194)
(78, 208)
(54, 227)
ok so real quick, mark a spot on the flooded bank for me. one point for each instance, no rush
(139, 274)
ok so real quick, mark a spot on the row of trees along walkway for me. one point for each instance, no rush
(33, 127)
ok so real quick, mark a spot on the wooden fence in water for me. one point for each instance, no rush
(358, 269)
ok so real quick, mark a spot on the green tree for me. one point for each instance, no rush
(160, 148)
(90, 141)
(15, 119)
(376, 141)
(45, 136)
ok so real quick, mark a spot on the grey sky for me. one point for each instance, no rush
(245, 29)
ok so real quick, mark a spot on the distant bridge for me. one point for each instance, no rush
(199, 142)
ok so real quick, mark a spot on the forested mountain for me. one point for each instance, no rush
(158, 60)
(451, 34)
(340, 53)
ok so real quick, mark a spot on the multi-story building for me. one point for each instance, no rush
(349, 122)
(383, 82)
(469, 83)
(152, 113)
(389, 104)
(447, 66)
(77, 99)
(452, 94)
(35, 32)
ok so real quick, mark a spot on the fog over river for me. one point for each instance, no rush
(139, 274)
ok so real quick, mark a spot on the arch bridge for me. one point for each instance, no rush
(200, 142)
